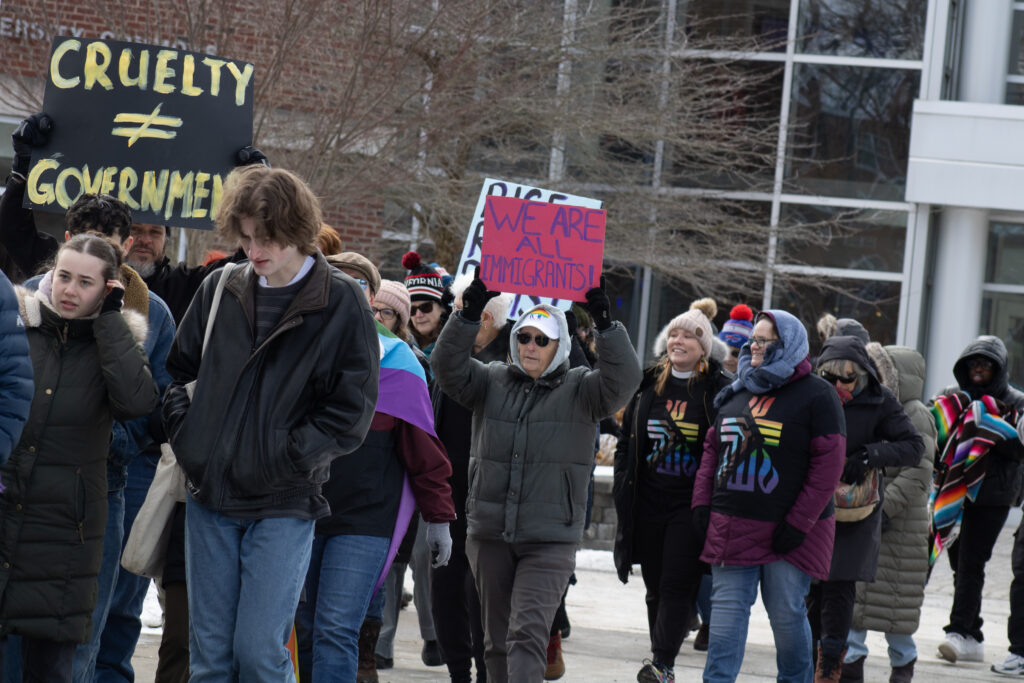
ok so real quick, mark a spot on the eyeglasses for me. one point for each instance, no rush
(525, 338)
(425, 308)
(362, 283)
(386, 313)
(980, 364)
(763, 341)
(832, 378)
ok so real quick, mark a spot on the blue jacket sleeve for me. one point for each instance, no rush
(16, 385)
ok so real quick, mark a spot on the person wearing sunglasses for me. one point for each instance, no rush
(983, 370)
(657, 457)
(891, 604)
(534, 422)
(878, 435)
(762, 496)
(430, 301)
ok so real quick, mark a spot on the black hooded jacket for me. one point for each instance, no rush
(877, 425)
(1004, 477)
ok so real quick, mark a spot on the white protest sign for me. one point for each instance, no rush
(504, 188)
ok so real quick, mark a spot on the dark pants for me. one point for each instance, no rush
(1015, 624)
(172, 666)
(830, 611)
(122, 624)
(520, 585)
(979, 530)
(45, 661)
(456, 609)
(671, 568)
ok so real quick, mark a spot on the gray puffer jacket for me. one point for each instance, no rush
(892, 604)
(533, 440)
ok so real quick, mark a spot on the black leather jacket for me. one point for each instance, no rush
(264, 424)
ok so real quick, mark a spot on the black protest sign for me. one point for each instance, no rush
(154, 127)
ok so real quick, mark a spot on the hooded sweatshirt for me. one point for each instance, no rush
(1004, 475)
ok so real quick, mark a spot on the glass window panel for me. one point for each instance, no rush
(1016, 65)
(1015, 93)
(745, 117)
(874, 304)
(1003, 316)
(850, 131)
(885, 29)
(842, 238)
(1005, 263)
(764, 20)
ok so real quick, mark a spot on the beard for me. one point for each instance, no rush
(143, 269)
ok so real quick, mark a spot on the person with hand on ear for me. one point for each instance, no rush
(530, 462)
(89, 369)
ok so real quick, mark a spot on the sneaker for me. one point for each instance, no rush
(1013, 665)
(652, 672)
(961, 648)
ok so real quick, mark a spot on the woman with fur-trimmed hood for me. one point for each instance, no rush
(89, 370)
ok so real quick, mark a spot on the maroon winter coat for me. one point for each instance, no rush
(795, 451)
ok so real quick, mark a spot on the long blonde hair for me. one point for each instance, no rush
(664, 370)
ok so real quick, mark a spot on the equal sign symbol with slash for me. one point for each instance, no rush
(144, 130)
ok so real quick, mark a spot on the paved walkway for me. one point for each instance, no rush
(609, 631)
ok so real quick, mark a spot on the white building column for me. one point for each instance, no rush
(955, 307)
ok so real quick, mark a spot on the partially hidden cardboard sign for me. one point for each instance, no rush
(540, 249)
(473, 248)
(154, 127)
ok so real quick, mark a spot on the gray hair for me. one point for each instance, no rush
(497, 307)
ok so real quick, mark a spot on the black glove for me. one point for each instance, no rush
(475, 298)
(786, 538)
(885, 522)
(112, 301)
(599, 307)
(701, 516)
(33, 132)
(250, 155)
(855, 469)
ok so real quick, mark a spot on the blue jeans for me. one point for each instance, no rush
(121, 632)
(733, 591)
(343, 571)
(85, 654)
(244, 578)
(902, 649)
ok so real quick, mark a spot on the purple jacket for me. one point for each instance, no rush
(738, 532)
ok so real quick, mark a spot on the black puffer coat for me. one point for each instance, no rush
(1004, 474)
(875, 423)
(53, 513)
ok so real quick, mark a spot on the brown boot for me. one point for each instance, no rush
(556, 665)
(830, 666)
(903, 674)
(853, 672)
(368, 634)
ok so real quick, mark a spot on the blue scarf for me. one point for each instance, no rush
(780, 359)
